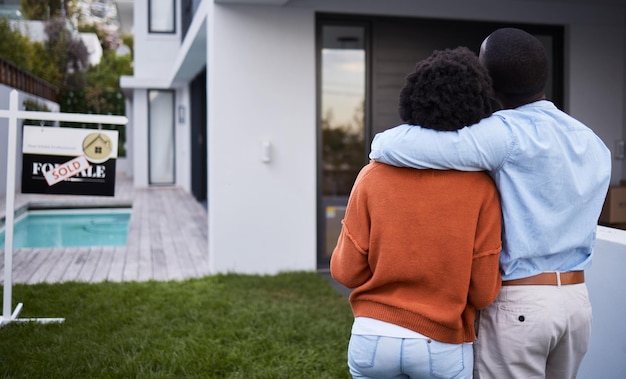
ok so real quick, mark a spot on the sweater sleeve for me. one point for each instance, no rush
(349, 262)
(485, 281)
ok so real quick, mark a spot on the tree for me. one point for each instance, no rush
(67, 52)
(102, 93)
(46, 9)
(63, 61)
(41, 66)
(342, 153)
(14, 47)
(27, 55)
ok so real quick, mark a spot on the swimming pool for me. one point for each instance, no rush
(70, 228)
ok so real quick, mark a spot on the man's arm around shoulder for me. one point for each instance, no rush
(483, 146)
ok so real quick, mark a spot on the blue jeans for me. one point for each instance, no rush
(386, 357)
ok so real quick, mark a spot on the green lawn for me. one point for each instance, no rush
(292, 325)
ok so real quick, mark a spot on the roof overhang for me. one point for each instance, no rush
(192, 55)
(189, 62)
(255, 2)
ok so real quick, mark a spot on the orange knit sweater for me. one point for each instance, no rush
(420, 248)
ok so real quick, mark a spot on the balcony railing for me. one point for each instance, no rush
(15, 77)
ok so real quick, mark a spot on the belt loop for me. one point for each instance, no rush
(558, 278)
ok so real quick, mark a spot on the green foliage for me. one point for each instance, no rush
(342, 152)
(42, 66)
(109, 101)
(33, 105)
(30, 56)
(343, 143)
(62, 60)
(59, 61)
(45, 9)
(14, 47)
(101, 95)
(292, 325)
(129, 41)
(98, 31)
(68, 53)
(107, 73)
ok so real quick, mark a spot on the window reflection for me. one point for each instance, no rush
(343, 108)
(162, 16)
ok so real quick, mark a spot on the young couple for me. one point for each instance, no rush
(451, 277)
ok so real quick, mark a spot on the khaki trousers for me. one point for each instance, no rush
(533, 331)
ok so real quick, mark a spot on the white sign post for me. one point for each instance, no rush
(13, 114)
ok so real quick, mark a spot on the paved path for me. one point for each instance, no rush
(167, 240)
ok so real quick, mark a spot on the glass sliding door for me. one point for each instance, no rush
(362, 63)
(342, 96)
(161, 137)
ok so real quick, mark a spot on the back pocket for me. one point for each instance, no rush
(446, 360)
(362, 350)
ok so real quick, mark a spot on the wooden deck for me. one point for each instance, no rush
(167, 240)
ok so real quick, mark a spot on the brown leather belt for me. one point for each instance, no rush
(549, 279)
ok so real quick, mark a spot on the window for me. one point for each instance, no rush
(161, 147)
(343, 107)
(342, 124)
(162, 16)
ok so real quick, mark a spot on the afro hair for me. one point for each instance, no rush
(447, 91)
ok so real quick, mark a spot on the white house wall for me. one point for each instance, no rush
(140, 138)
(128, 166)
(157, 51)
(154, 57)
(262, 215)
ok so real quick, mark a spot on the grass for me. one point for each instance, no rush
(291, 325)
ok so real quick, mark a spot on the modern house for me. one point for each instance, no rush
(265, 109)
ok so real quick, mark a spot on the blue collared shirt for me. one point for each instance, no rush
(552, 172)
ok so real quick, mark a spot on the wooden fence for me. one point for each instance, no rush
(14, 77)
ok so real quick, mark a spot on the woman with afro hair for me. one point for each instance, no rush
(420, 248)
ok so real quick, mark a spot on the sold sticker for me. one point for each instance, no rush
(66, 170)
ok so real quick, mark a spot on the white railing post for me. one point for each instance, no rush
(10, 209)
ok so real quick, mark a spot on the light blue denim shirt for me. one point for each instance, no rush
(552, 172)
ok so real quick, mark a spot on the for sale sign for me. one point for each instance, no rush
(69, 161)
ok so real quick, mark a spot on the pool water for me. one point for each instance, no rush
(70, 228)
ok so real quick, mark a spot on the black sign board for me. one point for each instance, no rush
(69, 161)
